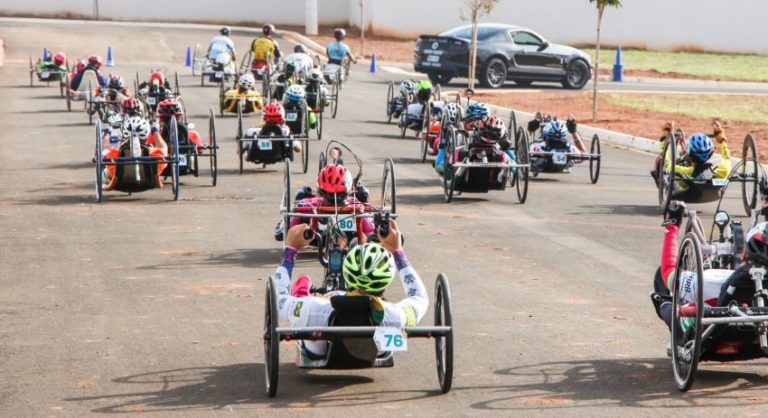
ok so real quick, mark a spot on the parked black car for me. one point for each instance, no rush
(504, 52)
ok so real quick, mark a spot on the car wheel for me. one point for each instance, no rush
(523, 83)
(440, 78)
(576, 75)
(494, 73)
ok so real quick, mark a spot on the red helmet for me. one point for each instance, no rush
(339, 33)
(492, 129)
(157, 77)
(60, 58)
(274, 113)
(168, 108)
(131, 105)
(95, 61)
(434, 130)
(268, 29)
(333, 179)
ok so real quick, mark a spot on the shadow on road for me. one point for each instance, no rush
(249, 258)
(645, 210)
(218, 388)
(633, 383)
(39, 111)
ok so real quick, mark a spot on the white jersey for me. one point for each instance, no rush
(303, 62)
(312, 311)
(220, 44)
(713, 282)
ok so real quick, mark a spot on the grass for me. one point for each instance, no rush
(726, 107)
(696, 64)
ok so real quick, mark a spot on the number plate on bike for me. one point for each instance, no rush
(151, 101)
(390, 339)
(218, 74)
(719, 182)
(291, 116)
(45, 74)
(183, 160)
(559, 158)
(347, 225)
(265, 144)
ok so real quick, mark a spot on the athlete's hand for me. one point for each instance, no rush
(534, 125)
(675, 213)
(393, 241)
(667, 128)
(571, 124)
(719, 134)
(297, 238)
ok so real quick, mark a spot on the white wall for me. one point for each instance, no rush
(735, 25)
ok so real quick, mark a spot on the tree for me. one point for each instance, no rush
(601, 5)
(475, 9)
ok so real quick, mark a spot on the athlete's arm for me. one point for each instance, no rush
(411, 309)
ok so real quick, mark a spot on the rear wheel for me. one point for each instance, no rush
(213, 151)
(99, 165)
(449, 171)
(404, 117)
(594, 162)
(175, 163)
(687, 312)
(390, 99)
(388, 188)
(240, 134)
(520, 178)
(667, 173)
(749, 174)
(335, 93)
(444, 345)
(494, 74)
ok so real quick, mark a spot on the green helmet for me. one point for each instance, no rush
(368, 267)
(424, 85)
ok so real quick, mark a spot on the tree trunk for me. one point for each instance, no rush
(597, 64)
(473, 49)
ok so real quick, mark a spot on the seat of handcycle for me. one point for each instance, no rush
(294, 117)
(274, 152)
(700, 188)
(349, 353)
(132, 178)
(480, 179)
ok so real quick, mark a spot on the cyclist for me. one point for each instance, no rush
(53, 64)
(338, 50)
(554, 137)
(315, 91)
(273, 116)
(264, 47)
(245, 89)
(476, 112)
(172, 108)
(414, 113)
(221, 44)
(93, 63)
(407, 89)
(451, 111)
(294, 101)
(698, 162)
(285, 80)
(155, 90)
(300, 59)
(368, 269)
(131, 107)
(149, 138)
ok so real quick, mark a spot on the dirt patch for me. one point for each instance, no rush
(643, 123)
(663, 74)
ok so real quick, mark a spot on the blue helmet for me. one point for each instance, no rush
(699, 146)
(555, 130)
(477, 111)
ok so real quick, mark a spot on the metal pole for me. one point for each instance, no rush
(96, 9)
(310, 17)
(362, 28)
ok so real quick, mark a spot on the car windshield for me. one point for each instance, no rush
(465, 32)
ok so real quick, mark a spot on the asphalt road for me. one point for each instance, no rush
(142, 304)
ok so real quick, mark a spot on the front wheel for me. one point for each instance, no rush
(577, 75)
(594, 160)
(444, 345)
(494, 74)
(687, 313)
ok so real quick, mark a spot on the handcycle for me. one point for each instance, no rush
(333, 76)
(135, 169)
(700, 331)
(219, 70)
(420, 123)
(267, 145)
(152, 96)
(316, 96)
(190, 154)
(264, 71)
(703, 188)
(472, 167)
(47, 72)
(561, 160)
(84, 90)
(245, 102)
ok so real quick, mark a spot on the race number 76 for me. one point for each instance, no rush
(390, 339)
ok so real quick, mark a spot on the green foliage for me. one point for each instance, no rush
(602, 4)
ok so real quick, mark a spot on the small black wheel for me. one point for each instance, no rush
(594, 160)
(287, 195)
(425, 133)
(240, 135)
(336, 89)
(99, 165)
(404, 117)
(388, 188)
(449, 171)
(520, 178)
(271, 340)
(214, 149)
(667, 173)
(390, 98)
(175, 163)
(749, 174)
(687, 312)
(444, 345)
(304, 156)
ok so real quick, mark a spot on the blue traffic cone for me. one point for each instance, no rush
(110, 58)
(373, 64)
(188, 62)
(45, 54)
(618, 67)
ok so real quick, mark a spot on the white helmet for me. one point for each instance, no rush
(407, 86)
(294, 94)
(246, 81)
(315, 75)
(136, 125)
(452, 112)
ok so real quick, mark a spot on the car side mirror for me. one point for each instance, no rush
(544, 46)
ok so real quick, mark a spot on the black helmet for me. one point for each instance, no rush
(339, 33)
(268, 29)
(290, 68)
(757, 244)
(300, 49)
(225, 31)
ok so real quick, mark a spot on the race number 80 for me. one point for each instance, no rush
(390, 339)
